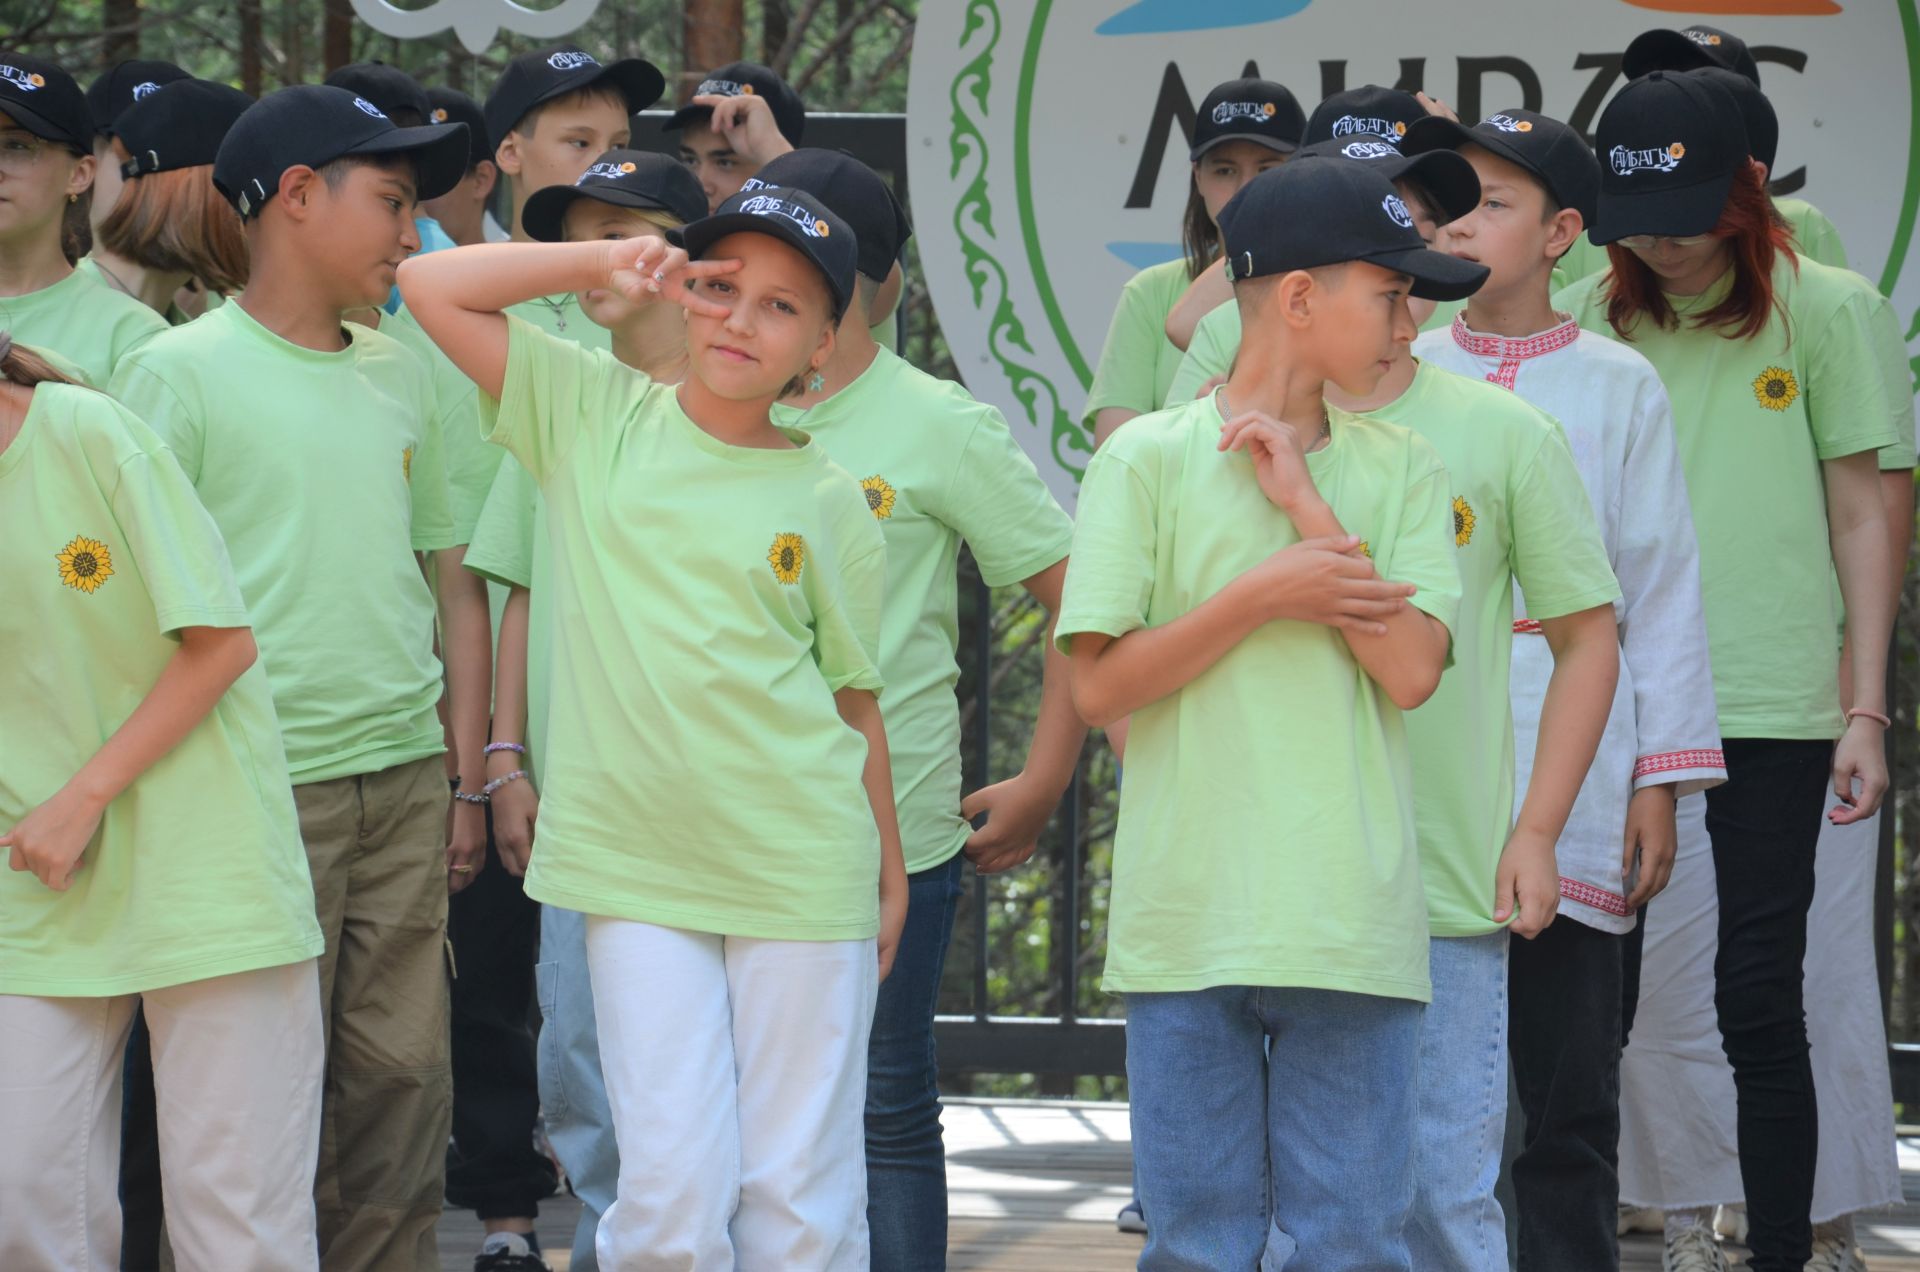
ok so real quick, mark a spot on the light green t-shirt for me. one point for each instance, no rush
(1266, 830)
(325, 473)
(196, 870)
(1520, 515)
(1138, 361)
(470, 462)
(708, 601)
(1890, 355)
(1814, 237)
(1753, 420)
(937, 467)
(83, 320)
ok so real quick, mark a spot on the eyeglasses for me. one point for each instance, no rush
(1641, 242)
(19, 152)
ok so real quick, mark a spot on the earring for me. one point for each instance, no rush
(73, 198)
(816, 382)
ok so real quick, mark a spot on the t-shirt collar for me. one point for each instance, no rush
(1511, 351)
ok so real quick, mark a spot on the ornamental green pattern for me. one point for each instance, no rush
(973, 216)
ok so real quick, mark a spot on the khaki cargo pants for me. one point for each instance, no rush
(376, 844)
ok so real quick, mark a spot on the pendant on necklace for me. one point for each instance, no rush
(559, 321)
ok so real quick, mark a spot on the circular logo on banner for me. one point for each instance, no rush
(1049, 137)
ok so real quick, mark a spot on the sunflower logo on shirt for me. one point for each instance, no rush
(406, 465)
(787, 555)
(1463, 521)
(880, 496)
(1366, 549)
(1775, 388)
(85, 564)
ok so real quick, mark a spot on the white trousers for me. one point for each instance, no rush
(737, 1073)
(237, 1063)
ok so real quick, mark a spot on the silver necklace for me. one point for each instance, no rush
(1326, 424)
(558, 308)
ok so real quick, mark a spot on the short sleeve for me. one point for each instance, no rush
(1846, 387)
(1110, 577)
(1890, 353)
(1423, 551)
(552, 390)
(1819, 240)
(1001, 506)
(501, 549)
(849, 601)
(175, 545)
(1125, 376)
(180, 429)
(1208, 355)
(1558, 556)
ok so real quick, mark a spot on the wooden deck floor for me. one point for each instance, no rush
(1034, 1187)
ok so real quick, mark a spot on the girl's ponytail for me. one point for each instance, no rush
(20, 365)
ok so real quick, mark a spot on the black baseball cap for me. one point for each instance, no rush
(1381, 112)
(312, 125)
(451, 106)
(43, 99)
(1249, 110)
(113, 91)
(1303, 215)
(794, 217)
(1688, 48)
(388, 87)
(1441, 172)
(541, 76)
(747, 79)
(179, 125)
(1756, 112)
(625, 179)
(1545, 147)
(857, 194)
(1669, 145)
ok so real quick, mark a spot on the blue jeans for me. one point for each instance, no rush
(573, 1094)
(1270, 1128)
(1457, 1225)
(906, 1160)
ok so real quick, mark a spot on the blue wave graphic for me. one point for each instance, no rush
(1157, 17)
(1141, 255)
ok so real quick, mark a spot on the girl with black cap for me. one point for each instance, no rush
(1779, 407)
(46, 184)
(1243, 128)
(718, 796)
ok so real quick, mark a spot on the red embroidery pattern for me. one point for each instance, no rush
(1599, 898)
(1512, 352)
(1527, 627)
(1668, 761)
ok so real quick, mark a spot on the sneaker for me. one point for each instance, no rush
(1640, 1219)
(1132, 1218)
(1731, 1223)
(1834, 1253)
(508, 1252)
(1693, 1249)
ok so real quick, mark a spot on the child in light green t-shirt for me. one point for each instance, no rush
(154, 851)
(718, 799)
(315, 446)
(1268, 923)
(47, 163)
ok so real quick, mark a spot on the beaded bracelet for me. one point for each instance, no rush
(1884, 721)
(467, 797)
(515, 747)
(488, 790)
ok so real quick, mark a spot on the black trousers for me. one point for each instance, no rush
(1765, 824)
(141, 1211)
(1564, 1039)
(493, 1167)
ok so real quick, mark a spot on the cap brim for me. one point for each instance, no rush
(700, 235)
(1278, 144)
(1445, 174)
(685, 116)
(1663, 51)
(1675, 213)
(441, 150)
(639, 82)
(1435, 275)
(42, 127)
(545, 215)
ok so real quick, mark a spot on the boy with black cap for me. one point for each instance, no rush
(1539, 185)
(1267, 915)
(462, 211)
(938, 469)
(49, 171)
(313, 446)
(740, 117)
(401, 99)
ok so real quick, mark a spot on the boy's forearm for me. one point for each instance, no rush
(1059, 733)
(1573, 716)
(467, 648)
(1406, 662)
(1112, 677)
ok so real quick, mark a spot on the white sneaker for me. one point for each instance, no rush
(1640, 1219)
(1693, 1249)
(1832, 1253)
(1731, 1223)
